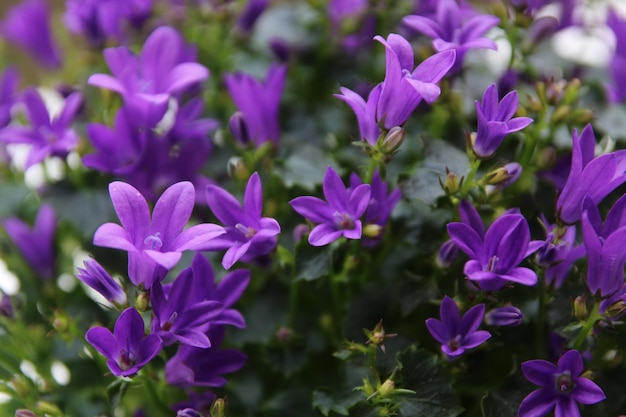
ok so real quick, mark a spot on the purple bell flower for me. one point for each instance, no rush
(258, 104)
(248, 235)
(48, 135)
(164, 70)
(250, 14)
(496, 256)
(495, 121)
(339, 215)
(558, 253)
(405, 86)
(126, 349)
(36, 244)
(455, 333)
(365, 112)
(27, 25)
(453, 28)
(562, 387)
(154, 243)
(595, 177)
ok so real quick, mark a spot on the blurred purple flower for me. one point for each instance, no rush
(617, 89)
(339, 215)
(126, 349)
(164, 70)
(452, 29)
(365, 112)
(250, 14)
(48, 135)
(36, 244)
(494, 258)
(405, 86)
(99, 279)
(258, 104)
(562, 387)
(154, 243)
(248, 235)
(192, 366)
(595, 177)
(27, 25)
(558, 253)
(9, 80)
(495, 121)
(455, 333)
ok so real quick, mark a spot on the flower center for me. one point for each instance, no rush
(455, 343)
(154, 241)
(170, 322)
(248, 232)
(343, 221)
(493, 262)
(564, 383)
(127, 360)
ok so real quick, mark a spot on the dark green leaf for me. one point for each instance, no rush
(312, 262)
(496, 405)
(434, 396)
(339, 404)
(86, 210)
(305, 167)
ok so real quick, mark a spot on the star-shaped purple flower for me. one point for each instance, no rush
(495, 121)
(154, 243)
(339, 215)
(455, 333)
(248, 235)
(562, 387)
(595, 177)
(496, 255)
(126, 349)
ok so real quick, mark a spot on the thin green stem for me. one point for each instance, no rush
(587, 326)
(468, 183)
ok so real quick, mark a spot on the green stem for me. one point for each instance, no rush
(153, 394)
(468, 183)
(544, 298)
(588, 326)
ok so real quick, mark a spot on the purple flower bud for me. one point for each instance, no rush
(447, 254)
(99, 279)
(188, 412)
(239, 128)
(504, 316)
(299, 231)
(6, 306)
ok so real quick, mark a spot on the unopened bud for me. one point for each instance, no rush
(580, 308)
(447, 254)
(219, 408)
(22, 412)
(372, 230)
(560, 114)
(582, 116)
(6, 305)
(505, 175)
(60, 322)
(142, 303)
(239, 128)
(452, 184)
(236, 167)
(555, 91)
(393, 140)
(548, 253)
(504, 316)
(571, 91)
(616, 309)
(48, 408)
(386, 388)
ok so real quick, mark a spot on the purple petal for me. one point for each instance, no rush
(253, 197)
(107, 82)
(313, 208)
(232, 286)
(323, 234)
(104, 342)
(234, 253)
(129, 329)
(475, 339)
(539, 372)
(424, 25)
(434, 68)
(438, 330)
(37, 112)
(359, 199)
(166, 259)
(521, 275)
(470, 216)
(225, 207)
(571, 361)
(450, 315)
(466, 239)
(587, 392)
(335, 191)
(185, 75)
(197, 237)
(566, 407)
(132, 210)
(111, 235)
(172, 211)
(472, 319)
(537, 404)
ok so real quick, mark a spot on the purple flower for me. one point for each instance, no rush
(258, 103)
(562, 387)
(9, 80)
(36, 244)
(99, 279)
(496, 255)
(28, 25)
(48, 135)
(126, 349)
(192, 366)
(177, 317)
(380, 206)
(495, 121)
(504, 316)
(404, 86)
(617, 91)
(164, 70)
(455, 333)
(365, 112)
(248, 235)
(452, 29)
(339, 215)
(604, 244)
(558, 253)
(154, 244)
(250, 14)
(595, 177)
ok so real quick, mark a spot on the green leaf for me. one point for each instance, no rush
(11, 197)
(116, 390)
(423, 184)
(86, 210)
(312, 262)
(305, 167)
(339, 404)
(496, 405)
(434, 396)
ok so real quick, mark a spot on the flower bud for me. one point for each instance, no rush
(236, 167)
(48, 408)
(218, 409)
(504, 316)
(616, 309)
(580, 308)
(6, 306)
(505, 175)
(582, 116)
(447, 254)
(142, 303)
(239, 128)
(560, 114)
(372, 230)
(393, 140)
(548, 253)
(22, 412)
(452, 184)
(188, 412)
(386, 388)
